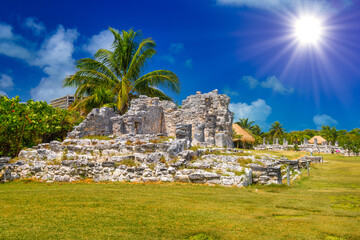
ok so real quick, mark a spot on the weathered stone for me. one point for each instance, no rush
(181, 178)
(223, 140)
(96, 123)
(183, 131)
(108, 164)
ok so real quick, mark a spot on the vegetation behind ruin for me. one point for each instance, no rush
(27, 124)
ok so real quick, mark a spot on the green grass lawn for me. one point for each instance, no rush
(325, 205)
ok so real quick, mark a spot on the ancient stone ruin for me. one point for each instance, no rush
(207, 115)
(154, 141)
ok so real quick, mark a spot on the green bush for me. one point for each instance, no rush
(27, 124)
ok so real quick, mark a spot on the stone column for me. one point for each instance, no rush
(315, 142)
(263, 140)
(199, 136)
(210, 127)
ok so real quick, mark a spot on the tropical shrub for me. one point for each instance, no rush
(27, 124)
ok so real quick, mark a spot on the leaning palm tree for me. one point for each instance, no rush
(276, 130)
(115, 76)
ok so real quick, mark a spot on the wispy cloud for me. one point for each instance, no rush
(174, 49)
(6, 31)
(252, 82)
(2, 93)
(324, 120)
(36, 26)
(271, 82)
(275, 84)
(6, 82)
(54, 58)
(228, 91)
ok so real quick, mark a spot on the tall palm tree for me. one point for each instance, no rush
(244, 123)
(276, 130)
(115, 76)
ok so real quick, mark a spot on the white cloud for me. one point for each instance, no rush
(275, 84)
(257, 111)
(12, 49)
(3, 93)
(270, 82)
(252, 82)
(55, 58)
(6, 82)
(37, 27)
(6, 31)
(102, 40)
(189, 63)
(9, 45)
(324, 120)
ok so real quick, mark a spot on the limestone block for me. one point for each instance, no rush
(223, 140)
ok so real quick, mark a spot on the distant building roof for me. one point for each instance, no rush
(320, 139)
(245, 136)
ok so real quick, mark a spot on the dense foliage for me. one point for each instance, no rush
(27, 124)
(116, 76)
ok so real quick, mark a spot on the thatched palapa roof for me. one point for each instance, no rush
(320, 140)
(246, 137)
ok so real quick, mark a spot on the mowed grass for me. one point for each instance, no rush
(292, 155)
(325, 205)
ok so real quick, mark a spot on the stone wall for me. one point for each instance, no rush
(145, 116)
(207, 115)
(97, 123)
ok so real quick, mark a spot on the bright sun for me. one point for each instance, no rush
(308, 29)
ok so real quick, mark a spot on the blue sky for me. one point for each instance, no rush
(244, 48)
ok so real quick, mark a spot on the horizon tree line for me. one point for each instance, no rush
(349, 140)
